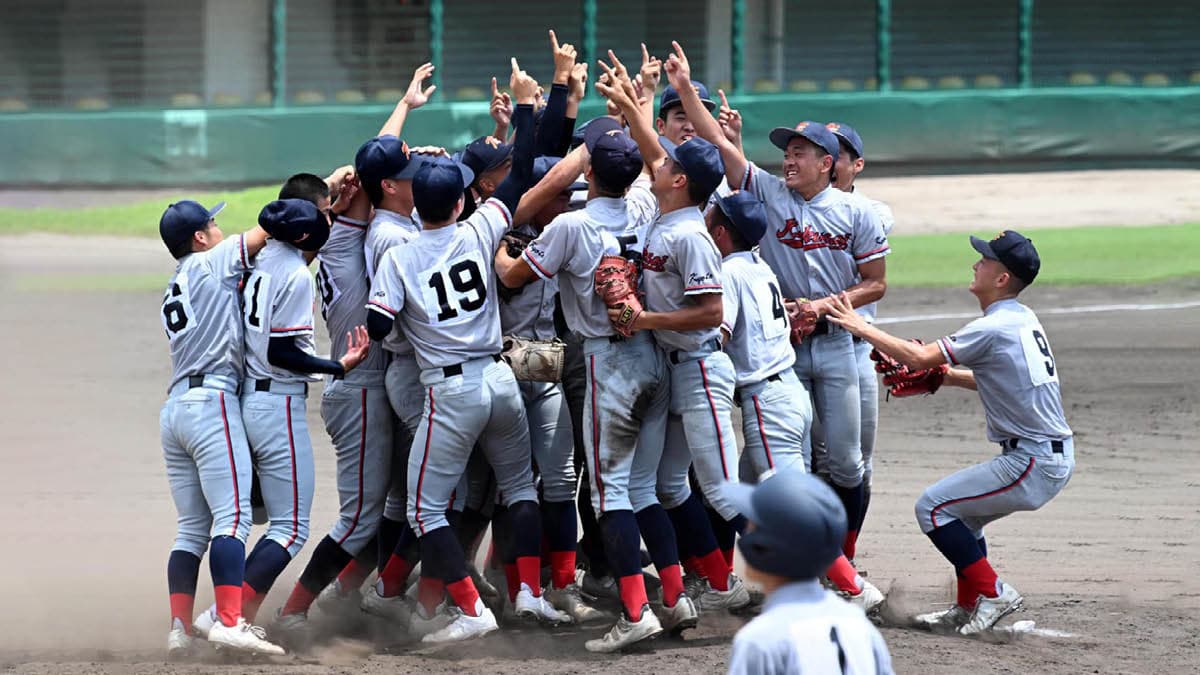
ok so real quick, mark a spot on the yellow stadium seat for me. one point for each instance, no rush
(951, 82)
(13, 104)
(870, 84)
(186, 100)
(804, 86)
(841, 84)
(1119, 78)
(988, 81)
(1195, 78)
(263, 98)
(1156, 80)
(765, 86)
(92, 103)
(1082, 80)
(389, 95)
(914, 83)
(471, 94)
(308, 96)
(350, 96)
(723, 84)
(227, 99)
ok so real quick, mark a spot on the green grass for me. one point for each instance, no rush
(1070, 256)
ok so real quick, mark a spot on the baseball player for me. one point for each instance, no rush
(821, 240)
(798, 527)
(1004, 355)
(627, 396)
(443, 291)
(682, 280)
(277, 310)
(204, 441)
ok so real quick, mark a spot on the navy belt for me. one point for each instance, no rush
(456, 369)
(737, 393)
(197, 381)
(265, 385)
(676, 357)
(1011, 444)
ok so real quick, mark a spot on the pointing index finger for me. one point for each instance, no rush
(645, 54)
(553, 40)
(494, 90)
(724, 101)
(516, 69)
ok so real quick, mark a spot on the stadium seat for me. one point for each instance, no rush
(870, 84)
(389, 95)
(726, 85)
(1119, 78)
(308, 97)
(227, 100)
(92, 103)
(1156, 80)
(804, 86)
(263, 98)
(914, 83)
(186, 100)
(766, 86)
(13, 104)
(988, 82)
(350, 96)
(841, 84)
(1082, 80)
(1195, 77)
(471, 94)
(951, 82)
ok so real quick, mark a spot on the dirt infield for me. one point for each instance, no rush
(89, 520)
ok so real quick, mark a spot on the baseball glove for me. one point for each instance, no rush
(534, 360)
(901, 381)
(803, 319)
(515, 242)
(616, 283)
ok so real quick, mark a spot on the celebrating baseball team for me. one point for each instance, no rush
(546, 336)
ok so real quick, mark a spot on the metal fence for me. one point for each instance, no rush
(148, 54)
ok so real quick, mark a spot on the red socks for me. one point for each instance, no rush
(672, 584)
(465, 595)
(393, 576)
(298, 602)
(430, 591)
(715, 569)
(182, 607)
(353, 575)
(727, 553)
(850, 543)
(844, 576)
(562, 568)
(633, 595)
(251, 601)
(981, 578)
(529, 572)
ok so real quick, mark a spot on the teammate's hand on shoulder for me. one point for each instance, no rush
(564, 59)
(415, 96)
(431, 150)
(651, 71)
(523, 86)
(358, 343)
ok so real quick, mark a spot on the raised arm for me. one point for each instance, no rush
(620, 90)
(520, 176)
(549, 133)
(559, 178)
(679, 73)
(414, 98)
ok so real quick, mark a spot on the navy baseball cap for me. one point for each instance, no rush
(386, 157)
(701, 161)
(814, 132)
(485, 153)
(297, 222)
(542, 166)
(846, 134)
(1013, 250)
(439, 183)
(183, 219)
(615, 157)
(746, 214)
(799, 524)
(670, 97)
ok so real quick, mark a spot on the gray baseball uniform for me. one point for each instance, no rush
(815, 247)
(204, 441)
(442, 288)
(277, 301)
(775, 410)
(1017, 379)
(627, 391)
(355, 409)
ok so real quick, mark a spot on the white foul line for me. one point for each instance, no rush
(1083, 309)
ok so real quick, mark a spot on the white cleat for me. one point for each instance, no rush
(538, 608)
(393, 608)
(597, 587)
(570, 600)
(205, 621)
(946, 620)
(335, 601)
(244, 638)
(292, 630)
(868, 598)
(179, 643)
(464, 626)
(625, 633)
(737, 597)
(419, 625)
(988, 611)
(694, 586)
(681, 617)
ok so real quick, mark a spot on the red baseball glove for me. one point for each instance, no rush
(802, 317)
(616, 283)
(901, 381)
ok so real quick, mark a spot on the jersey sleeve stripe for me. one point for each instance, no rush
(537, 269)
(502, 208)
(947, 351)
(351, 222)
(242, 248)
(746, 180)
(703, 287)
(291, 329)
(382, 308)
(882, 249)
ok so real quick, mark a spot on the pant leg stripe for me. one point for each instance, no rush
(295, 481)
(762, 433)
(1024, 474)
(716, 420)
(424, 460)
(237, 498)
(596, 430)
(362, 457)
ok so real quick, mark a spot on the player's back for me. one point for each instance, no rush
(277, 301)
(200, 313)
(343, 288)
(806, 629)
(760, 341)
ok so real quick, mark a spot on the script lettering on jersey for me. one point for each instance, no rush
(807, 238)
(657, 263)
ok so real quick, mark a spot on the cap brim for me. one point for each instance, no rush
(984, 248)
(467, 174)
(668, 146)
(414, 164)
(595, 128)
(739, 495)
(212, 213)
(781, 136)
(709, 104)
